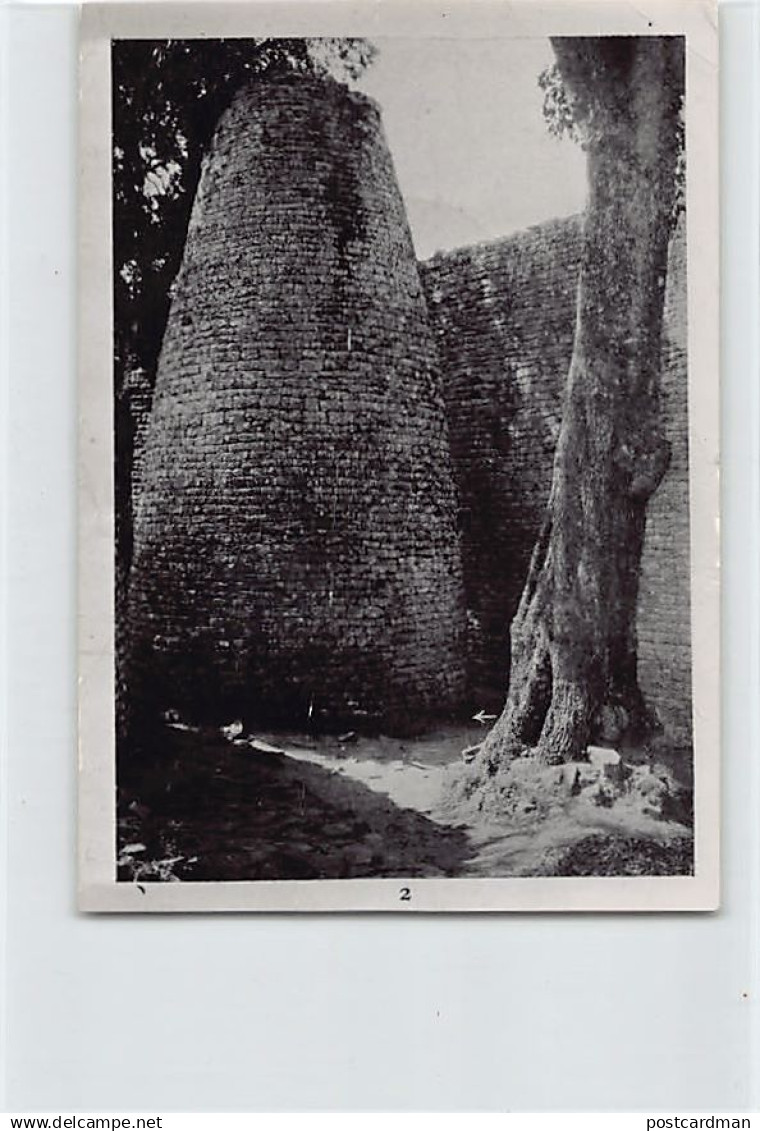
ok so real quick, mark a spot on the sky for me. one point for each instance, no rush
(474, 158)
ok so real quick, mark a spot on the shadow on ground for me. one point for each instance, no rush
(194, 807)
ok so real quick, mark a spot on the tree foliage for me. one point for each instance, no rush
(583, 115)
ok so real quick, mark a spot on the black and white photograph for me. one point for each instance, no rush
(398, 495)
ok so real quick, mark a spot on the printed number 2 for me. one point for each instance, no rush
(405, 895)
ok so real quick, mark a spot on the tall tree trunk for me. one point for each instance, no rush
(574, 637)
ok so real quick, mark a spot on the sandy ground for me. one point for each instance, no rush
(199, 805)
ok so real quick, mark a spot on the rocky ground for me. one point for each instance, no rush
(209, 805)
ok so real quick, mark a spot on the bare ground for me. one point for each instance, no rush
(194, 805)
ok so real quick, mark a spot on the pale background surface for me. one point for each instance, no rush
(259, 1013)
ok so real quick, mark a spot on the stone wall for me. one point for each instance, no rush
(295, 539)
(504, 314)
(664, 621)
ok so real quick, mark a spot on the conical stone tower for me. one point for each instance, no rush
(295, 537)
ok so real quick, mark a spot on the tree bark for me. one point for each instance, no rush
(573, 639)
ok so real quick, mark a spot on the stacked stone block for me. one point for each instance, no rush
(298, 546)
(504, 318)
(295, 541)
(664, 614)
(504, 315)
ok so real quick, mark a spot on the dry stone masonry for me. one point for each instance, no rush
(664, 620)
(315, 506)
(295, 544)
(504, 316)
